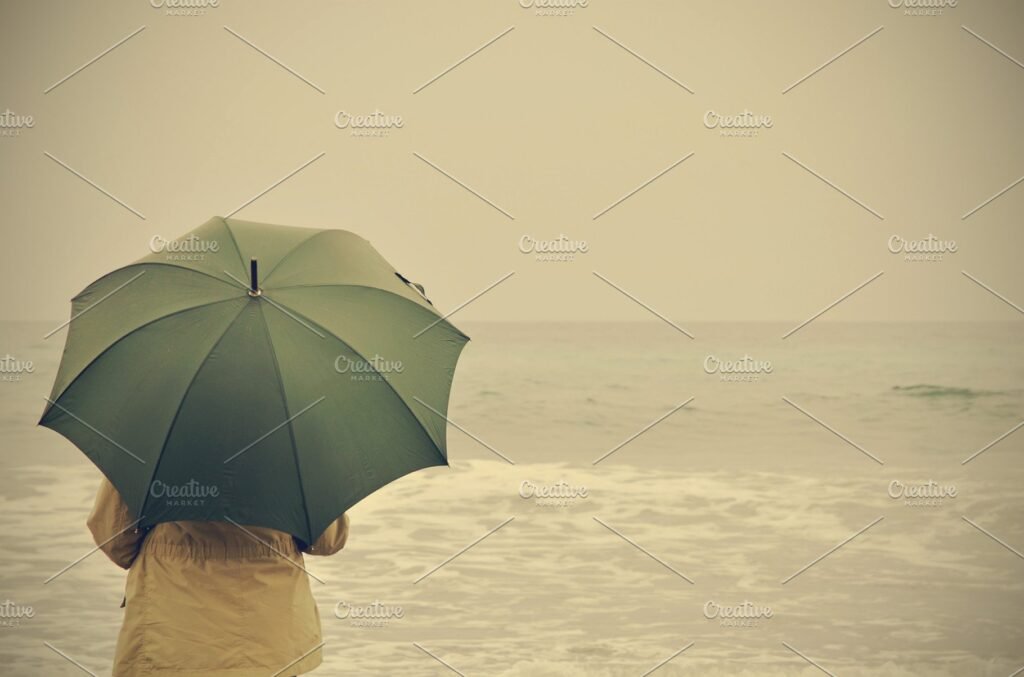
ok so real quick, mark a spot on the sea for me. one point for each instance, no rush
(624, 500)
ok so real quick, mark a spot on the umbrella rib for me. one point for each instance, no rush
(178, 266)
(56, 396)
(291, 315)
(460, 428)
(291, 431)
(169, 264)
(431, 310)
(231, 234)
(273, 430)
(292, 251)
(181, 404)
(95, 430)
(327, 332)
(94, 304)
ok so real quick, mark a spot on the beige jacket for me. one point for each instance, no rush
(211, 599)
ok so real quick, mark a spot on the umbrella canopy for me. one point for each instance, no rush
(281, 402)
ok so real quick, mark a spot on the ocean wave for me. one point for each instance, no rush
(929, 390)
(972, 666)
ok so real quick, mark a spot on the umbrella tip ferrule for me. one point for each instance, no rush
(254, 288)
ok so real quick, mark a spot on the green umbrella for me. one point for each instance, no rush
(258, 374)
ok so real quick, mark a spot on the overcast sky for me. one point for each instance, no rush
(547, 127)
